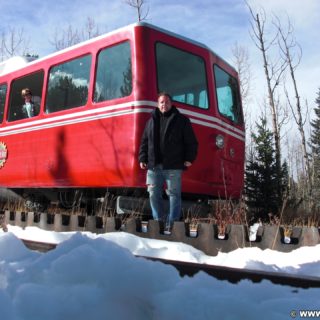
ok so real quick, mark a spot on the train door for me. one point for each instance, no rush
(215, 111)
(231, 138)
(182, 72)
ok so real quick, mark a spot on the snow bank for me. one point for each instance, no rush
(95, 278)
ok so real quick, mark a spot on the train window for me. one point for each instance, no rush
(114, 77)
(68, 85)
(183, 75)
(228, 95)
(3, 91)
(19, 108)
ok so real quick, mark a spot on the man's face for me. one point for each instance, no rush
(27, 97)
(164, 104)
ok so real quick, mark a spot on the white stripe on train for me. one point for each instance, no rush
(106, 112)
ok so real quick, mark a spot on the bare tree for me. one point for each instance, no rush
(241, 61)
(138, 5)
(274, 71)
(291, 54)
(65, 38)
(91, 29)
(243, 67)
(13, 42)
(70, 36)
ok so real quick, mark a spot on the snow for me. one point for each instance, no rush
(13, 64)
(90, 276)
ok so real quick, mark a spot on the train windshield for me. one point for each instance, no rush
(228, 95)
(183, 75)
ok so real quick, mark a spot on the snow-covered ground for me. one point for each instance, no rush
(92, 276)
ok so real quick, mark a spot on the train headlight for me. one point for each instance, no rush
(220, 141)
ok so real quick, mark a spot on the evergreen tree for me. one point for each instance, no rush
(315, 147)
(126, 87)
(261, 183)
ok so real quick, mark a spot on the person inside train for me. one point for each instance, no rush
(168, 146)
(29, 108)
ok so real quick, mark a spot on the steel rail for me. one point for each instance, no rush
(232, 275)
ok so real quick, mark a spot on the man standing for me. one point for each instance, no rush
(167, 147)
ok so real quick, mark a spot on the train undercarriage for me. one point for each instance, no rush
(90, 201)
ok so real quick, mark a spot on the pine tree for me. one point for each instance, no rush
(261, 183)
(315, 147)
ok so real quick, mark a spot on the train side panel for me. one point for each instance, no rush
(94, 153)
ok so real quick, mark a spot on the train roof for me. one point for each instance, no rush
(177, 35)
(20, 62)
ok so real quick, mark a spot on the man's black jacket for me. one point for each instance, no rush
(179, 143)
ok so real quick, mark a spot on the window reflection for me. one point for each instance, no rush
(114, 77)
(68, 85)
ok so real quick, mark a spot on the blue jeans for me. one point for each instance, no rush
(155, 182)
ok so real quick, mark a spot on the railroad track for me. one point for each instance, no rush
(232, 275)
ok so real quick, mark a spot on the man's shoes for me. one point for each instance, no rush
(167, 231)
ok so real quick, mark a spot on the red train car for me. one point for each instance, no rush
(93, 102)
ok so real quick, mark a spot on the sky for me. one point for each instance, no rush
(217, 23)
(91, 276)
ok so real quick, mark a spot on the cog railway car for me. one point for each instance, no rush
(94, 100)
